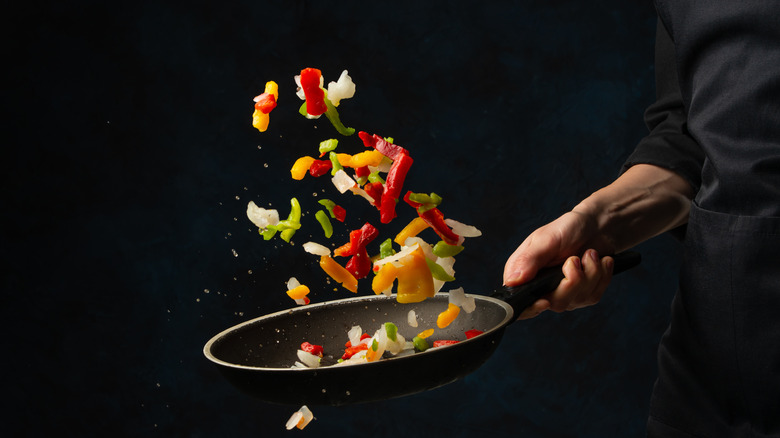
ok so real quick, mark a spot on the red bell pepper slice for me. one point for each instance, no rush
(339, 212)
(443, 342)
(362, 172)
(387, 149)
(359, 265)
(358, 239)
(473, 332)
(265, 103)
(316, 350)
(320, 167)
(351, 351)
(315, 95)
(363, 336)
(393, 186)
(435, 219)
(375, 190)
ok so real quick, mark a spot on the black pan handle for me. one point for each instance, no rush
(547, 279)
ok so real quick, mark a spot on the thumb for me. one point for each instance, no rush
(527, 260)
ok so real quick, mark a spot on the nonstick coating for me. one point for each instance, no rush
(256, 355)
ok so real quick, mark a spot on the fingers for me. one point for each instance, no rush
(586, 279)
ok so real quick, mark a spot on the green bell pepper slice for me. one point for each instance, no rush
(437, 271)
(443, 249)
(324, 221)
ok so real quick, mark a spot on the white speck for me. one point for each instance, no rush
(205, 291)
(235, 254)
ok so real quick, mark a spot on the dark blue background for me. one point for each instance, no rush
(130, 158)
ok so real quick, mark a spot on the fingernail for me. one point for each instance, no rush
(594, 255)
(577, 262)
(610, 264)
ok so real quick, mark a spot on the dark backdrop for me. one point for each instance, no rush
(129, 159)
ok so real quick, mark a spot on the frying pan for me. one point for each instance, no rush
(256, 356)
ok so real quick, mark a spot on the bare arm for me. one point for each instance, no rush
(643, 202)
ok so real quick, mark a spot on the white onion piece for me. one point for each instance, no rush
(261, 217)
(426, 247)
(300, 418)
(292, 283)
(354, 334)
(316, 249)
(462, 229)
(360, 192)
(389, 291)
(459, 298)
(412, 318)
(342, 181)
(308, 359)
(293, 421)
(343, 89)
(397, 346)
(405, 251)
(307, 416)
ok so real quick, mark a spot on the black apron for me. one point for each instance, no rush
(719, 360)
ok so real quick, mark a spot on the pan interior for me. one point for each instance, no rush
(272, 341)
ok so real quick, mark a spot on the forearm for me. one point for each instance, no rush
(643, 202)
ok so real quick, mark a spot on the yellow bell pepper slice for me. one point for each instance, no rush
(425, 333)
(449, 315)
(260, 120)
(301, 166)
(415, 282)
(272, 87)
(298, 292)
(384, 278)
(412, 229)
(367, 158)
(339, 273)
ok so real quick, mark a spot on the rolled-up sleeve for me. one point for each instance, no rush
(668, 145)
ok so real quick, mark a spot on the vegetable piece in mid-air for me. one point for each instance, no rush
(300, 418)
(338, 273)
(264, 103)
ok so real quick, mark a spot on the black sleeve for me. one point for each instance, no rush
(668, 144)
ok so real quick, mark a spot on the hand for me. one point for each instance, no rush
(572, 240)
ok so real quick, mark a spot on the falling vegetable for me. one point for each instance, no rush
(264, 103)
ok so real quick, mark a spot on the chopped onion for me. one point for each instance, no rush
(294, 420)
(459, 298)
(261, 217)
(389, 291)
(405, 251)
(462, 229)
(343, 89)
(308, 359)
(292, 283)
(412, 318)
(316, 249)
(354, 334)
(360, 192)
(300, 418)
(426, 247)
(342, 181)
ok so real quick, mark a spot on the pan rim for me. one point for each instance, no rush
(368, 298)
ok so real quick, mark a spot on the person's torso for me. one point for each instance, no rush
(728, 60)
